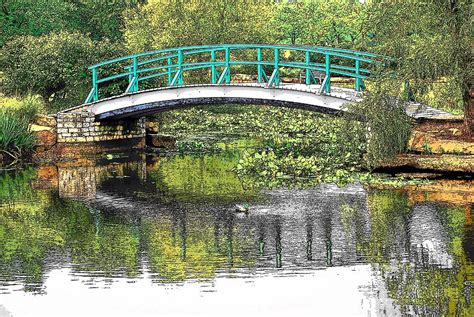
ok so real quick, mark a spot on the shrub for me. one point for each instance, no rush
(25, 108)
(53, 66)
(15, 115)
(15, 139)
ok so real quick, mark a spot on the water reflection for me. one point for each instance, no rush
(172, 220)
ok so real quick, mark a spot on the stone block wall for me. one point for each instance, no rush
(79, 127)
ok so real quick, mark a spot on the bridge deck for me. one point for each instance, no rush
(414, 109)
(328, 102)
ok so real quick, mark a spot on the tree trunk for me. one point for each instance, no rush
(469, 112)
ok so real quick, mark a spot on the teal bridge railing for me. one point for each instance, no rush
(170, 65)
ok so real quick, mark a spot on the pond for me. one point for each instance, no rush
(161, 235)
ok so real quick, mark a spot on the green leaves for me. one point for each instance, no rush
(53, 66)
(159, 24)
(431, 42)
(387, 126)
(100, 19)
(294, 143)
(320, 22)
(32, 17)
(15, 114)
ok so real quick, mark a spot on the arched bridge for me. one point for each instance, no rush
(135, 86)
(144, 83)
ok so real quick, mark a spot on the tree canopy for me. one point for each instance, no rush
(431, 42)
(159, 24)
(53, 65)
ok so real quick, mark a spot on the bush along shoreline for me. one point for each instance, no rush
(16, 140)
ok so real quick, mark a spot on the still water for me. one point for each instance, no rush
(161, 236)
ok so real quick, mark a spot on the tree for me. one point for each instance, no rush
(158, 24)
(103, 19)
(100, 19)
(33, 17)
(330, 22)
(291, 22)
(53, 66)
(429, 41)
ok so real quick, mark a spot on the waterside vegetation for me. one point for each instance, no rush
(15, 137)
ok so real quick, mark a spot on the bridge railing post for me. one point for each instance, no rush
(227, 65)
(170, 71)
(95, 85)
(326, 84)
(133, 76)
(277, 67)
(358, 80)
(214, 74)
(328, 73)
(178, 76)
(180, 67)
(274, 79)
(259, 65)
(135, 73)
(308, 70)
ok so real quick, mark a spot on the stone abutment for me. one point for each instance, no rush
(81, 127)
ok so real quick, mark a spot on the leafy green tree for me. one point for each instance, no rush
(35, 17)
(340, 22)
(317, 22)
(431, 41)
(100, 19)
(291, 22)
(53, 65)
(103, 19)
(158, 24)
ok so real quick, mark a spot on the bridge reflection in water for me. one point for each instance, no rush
(123, 219)
(326, 219)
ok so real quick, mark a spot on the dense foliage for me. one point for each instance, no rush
(387, 126)
(432, 46)
(53, 65)
(100, 19)
(321, 22)
(159, 24)
(15, 115)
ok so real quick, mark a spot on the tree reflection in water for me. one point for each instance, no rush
(132, 222)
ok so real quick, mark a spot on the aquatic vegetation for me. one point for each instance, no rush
(268, 165)
(301, 148)
(15, 185)
(293, 143)
(195, 146)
